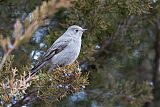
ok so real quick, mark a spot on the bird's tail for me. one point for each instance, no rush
(35, 70)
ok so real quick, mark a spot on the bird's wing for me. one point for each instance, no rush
(57, 47)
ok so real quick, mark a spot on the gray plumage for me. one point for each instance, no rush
(64, 51)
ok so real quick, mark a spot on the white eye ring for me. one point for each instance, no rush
(76, 30)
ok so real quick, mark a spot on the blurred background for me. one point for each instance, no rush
(120, 51)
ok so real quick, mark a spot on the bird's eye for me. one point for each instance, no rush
(76, 30)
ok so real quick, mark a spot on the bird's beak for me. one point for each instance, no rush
(83, 30)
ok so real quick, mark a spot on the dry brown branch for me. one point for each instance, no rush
(14, 87)
(16, 90)
(38, 16)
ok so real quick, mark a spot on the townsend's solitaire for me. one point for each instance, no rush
(64, 51)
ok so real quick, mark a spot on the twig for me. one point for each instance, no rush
(39, 15)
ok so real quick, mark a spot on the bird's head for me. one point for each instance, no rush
(75, 31)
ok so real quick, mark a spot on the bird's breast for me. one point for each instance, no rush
(74, 48)
(74, 51)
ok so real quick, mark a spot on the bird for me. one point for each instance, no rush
(64, 51)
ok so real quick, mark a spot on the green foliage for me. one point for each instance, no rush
(101, 18)
(118, 27)
(49, 87)
(115, 25)
(54, 86)
(122, 64)
(15, 88)
(12, 9)
(126, 94)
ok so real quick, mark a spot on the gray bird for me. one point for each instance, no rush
(64, 51)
